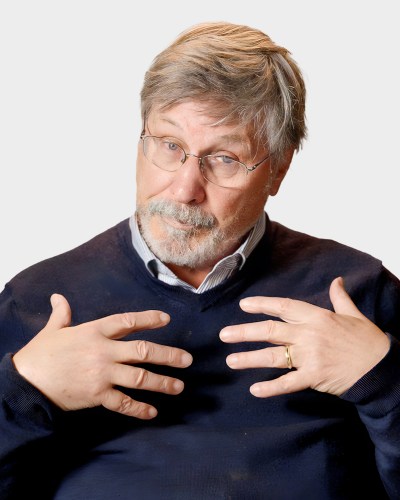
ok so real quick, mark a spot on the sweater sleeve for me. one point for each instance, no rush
(377, 394)
(25, 414)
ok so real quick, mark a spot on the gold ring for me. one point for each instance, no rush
(288, 358)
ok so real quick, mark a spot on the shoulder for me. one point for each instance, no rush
(75, 265)
(294, 248)
(297, 265)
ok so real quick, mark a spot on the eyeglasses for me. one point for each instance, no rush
(219, 169)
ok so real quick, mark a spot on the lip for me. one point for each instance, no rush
(175, 224)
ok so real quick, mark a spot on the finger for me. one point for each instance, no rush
(270, 357)
(119, 325)
(61, 313)
(290, 310)
(286, 384)
(133, 377)
(341, 300)
(142, 351)
(261, 331)
(119, 402)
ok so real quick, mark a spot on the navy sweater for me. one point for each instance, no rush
(215, 440)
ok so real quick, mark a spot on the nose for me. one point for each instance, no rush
(188, 185)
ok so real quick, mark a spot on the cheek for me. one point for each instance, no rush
(150, 181)
(225, 207)
(240, 209)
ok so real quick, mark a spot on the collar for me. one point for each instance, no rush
(222, 270)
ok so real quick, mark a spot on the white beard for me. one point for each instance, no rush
(193, 248)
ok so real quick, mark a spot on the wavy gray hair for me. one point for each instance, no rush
(248, 79)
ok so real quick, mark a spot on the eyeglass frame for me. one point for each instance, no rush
(200, 158)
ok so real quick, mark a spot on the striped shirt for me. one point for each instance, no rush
(222, 270)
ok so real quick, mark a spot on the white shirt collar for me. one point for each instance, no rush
(222, 270)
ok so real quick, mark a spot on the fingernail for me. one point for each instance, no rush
(232, 360)
(164, 318)
(186, 359)
(247, 304)
(225, 334)
(255, 390)
(178, 386)
(54, 299)
(152, 412)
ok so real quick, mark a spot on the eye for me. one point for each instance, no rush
(221, 167)
(170, 146)
(221, 159)
(226, 159)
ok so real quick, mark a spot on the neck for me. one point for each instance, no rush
(196, 276)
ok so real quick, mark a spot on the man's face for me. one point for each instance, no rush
(186, 220)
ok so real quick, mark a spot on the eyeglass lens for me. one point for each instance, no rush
(218, 169)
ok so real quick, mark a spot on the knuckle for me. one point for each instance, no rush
(125, 405)
(326, 314)
(241, 333)
(269, 327)
(274, 361)
(285, 384)
(94, 378)
(128, 321)
(96, 390)
(143, 350)
(96, 383)
(120, 403)
(318, 337)
(166, 385)
(140, 378)
(89, 329)
(151, 317)
(312, 335)
(314, 371)
(97, 358)
(172, 356)
(318, 364)
(284, 305)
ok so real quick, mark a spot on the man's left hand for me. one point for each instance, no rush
(328, 351)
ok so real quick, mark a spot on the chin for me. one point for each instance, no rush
(200, 246)
(185, 248)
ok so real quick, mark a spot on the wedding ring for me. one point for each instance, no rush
(288, 358)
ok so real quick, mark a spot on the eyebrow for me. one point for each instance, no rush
(228, 138)
(172, 122)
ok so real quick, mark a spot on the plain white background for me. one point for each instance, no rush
(70, 77)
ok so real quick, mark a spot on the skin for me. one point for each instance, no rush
(80, 371)
(236, 210)
(78, 367)
(330, 350)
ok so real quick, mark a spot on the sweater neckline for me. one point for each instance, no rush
(207, 298)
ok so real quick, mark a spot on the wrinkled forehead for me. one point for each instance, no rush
(207, 113)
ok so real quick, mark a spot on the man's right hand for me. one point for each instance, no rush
(79, 367)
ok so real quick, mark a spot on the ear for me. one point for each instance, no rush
(280, 172)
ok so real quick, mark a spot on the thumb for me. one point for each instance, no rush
(61, 313)
(341, 300)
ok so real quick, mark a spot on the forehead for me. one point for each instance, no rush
(199, 119)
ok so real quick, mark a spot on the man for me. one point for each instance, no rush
(146, 317)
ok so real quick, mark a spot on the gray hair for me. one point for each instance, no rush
(248, 79)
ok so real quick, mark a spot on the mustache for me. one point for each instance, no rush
(185, 214)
